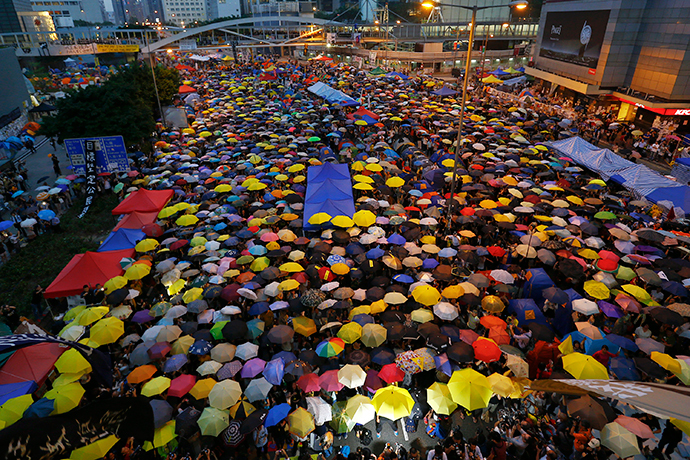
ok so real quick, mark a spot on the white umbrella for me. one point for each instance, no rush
(54, 191)
(502, 276)
(621, 441)
(258, 389)
(151, 333)
(247, 351)
(28, 223)
(319, 409)
(446, 311)
(585, 306)
(176, 311)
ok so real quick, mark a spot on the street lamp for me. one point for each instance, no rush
(518, 4)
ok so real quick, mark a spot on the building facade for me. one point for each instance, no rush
(184, 12)
(65, 12)
(9, 19)
(223, 9)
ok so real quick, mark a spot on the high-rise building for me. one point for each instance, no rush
(119, 16)
(9, 19)
(223, 9)
(184, 12)
(65, 12)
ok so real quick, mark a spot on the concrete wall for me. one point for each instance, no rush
(14, 94)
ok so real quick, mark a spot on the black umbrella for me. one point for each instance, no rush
(185, 423)
(232, 435)
(666, 316)
(117, 296)
(390, 316)
(162, 412)
(428, 329)
(460, 352)
(541, 332)
(650, 368)
(587, 408)
(396, 331)
(197, 306)
(235, 329)
(359, 357)
(253, 421)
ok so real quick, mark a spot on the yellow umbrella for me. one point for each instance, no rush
(291, 267)
(72, 362)
(256, 186)
(422, 315)
(107, 330)
(470, 389)
(588, 254)
(373, 335)
(374, 167)
(488, 204)
(395, 182)
(453, 292)
(350, 332)
(501, 385)
(493, 304)
(301, 422)
(364, 179)
(260, 264)
(192, 294)
(222, 188)
(163, 435)
(426, 295)
(65, 397)
(91, 315)
(296, 168)
(96, 450)
(137, 271)
(187, 220)
(146, 245)
(155, 386)
(319, 218)
(637, 292)
(225, 394)
(115, 283)
(213, 421)
(682, 425)
(362, 186)
(360, 409)
(438, 397)
(288, 285)
(340, 269)
(13, 409)
(202, 388)
(566, 347)
(666, 361)
(74, 312)
(181, 345)
(364, 218)
(584, 367)
(392, 402)
(167, 212)
(342, 221)
(303, 325)
(597, 289)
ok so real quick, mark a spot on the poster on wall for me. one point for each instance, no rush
(574, 36)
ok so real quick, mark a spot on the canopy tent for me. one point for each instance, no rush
(377, 71)
(444, 91)
(491, 79)
(136, 220)
(123, 238)
(511, 70)
(397, 75)
(31, 364)
(43, 107)
(89, 268)
(515, 80)
(332, 95)
(329, 190)
(144, 201)
(361, 113)
(500, 73)
(643, 181)
(526, 93)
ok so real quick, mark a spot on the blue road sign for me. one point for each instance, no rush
(111, 154)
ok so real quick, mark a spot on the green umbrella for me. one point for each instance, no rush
(213, 421)
(118, 188)
(625, 273)
(604, 215)
(314, 139)
(341, 423)
(217, 330)
(255, 328)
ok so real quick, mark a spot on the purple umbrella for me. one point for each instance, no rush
(274, 371)
(372, 382)
(229, 370)
(174, 363)
(253, 367)
(141, 316)
(159, 350)
(609, 309)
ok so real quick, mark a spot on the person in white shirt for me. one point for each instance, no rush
(436, 453)
(643, 332)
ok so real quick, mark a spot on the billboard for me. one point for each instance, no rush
(574, 36)
(110, 154)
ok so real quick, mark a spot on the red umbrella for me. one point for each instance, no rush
(153, 230)
(468, 212)
(181, 385)
(468, 336)
(496, 251)
(486, 350)
(390, 373)
(491, 321)
(607, 265)
(329, 381)
(499, 335)
(309, 383)
(178, 244)
(325, 274)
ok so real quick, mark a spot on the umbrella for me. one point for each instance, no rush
(635, 426)
(257, 389)
(621, 441)
(301, 423)
(588, 408)
(360, 409)
(583, 366)
(470, 389)
(351, 375)
(224, 394)
(439, 398)
(213, 421)
(99, 448)
(393, 402)
(319, 409)
(341, 422)
(277, 414)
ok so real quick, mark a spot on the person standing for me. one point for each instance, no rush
(56, 164)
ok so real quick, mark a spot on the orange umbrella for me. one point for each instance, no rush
(492, 321)
(499, 335)
(486, 350)
(141, 374)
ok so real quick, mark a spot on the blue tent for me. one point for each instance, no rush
(537, 281)
(500, 73)
(444, 91)
(679, 196)
(329, 190)
(332, 95)
(14, 390)
(397, 74)
(526, 311)
(123, 238)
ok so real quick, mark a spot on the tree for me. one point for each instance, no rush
(167, 80)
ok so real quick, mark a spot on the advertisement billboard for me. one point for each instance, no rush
(574, 36)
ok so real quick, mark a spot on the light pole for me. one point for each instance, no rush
(519, 4)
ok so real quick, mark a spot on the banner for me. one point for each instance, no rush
(90, 172)
(574, 36)
(100, 362)
(56, 436)
(102, 48)
(663, 401)
(71, 50)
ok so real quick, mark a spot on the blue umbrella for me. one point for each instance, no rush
(17, 193)
(396, 238)
(174, 363)
(402, 278)
(447, 252)
(430, 264)
(277, 414)
(375, 253)
(200, 347)
(363, 319)
(622, 342)
(382, 356)
(286, 356)
(623, 368)
(258, 308)
(46, 214)
(4, 225)
(274, 371)
(41, 408)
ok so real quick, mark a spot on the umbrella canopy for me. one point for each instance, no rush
(392, 402)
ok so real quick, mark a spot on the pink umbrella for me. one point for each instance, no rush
(309, 383)
(181, 385)
(631, 424)
(628, 303)
(329, 381)
(468, 336)
(270, 236)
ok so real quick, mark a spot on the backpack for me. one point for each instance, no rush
(364, 435)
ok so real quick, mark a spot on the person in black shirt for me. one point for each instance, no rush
(36, 301)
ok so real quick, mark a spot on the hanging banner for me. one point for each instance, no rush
(90, 172)
(103, 48)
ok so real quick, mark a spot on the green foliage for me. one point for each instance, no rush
(124, 105)
(44, 257)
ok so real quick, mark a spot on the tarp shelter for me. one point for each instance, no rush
(89, 268)
(137, 220)
(329, 190)
(14, 390)
(397, 75)
(526, 311)
(681, 170)
(332, 95)
(123, 238)
(515, 80)
(377, 71)
(536, 281)
(43, 107)
(362, 112)
(184, 89)
(144, 201)
(31, 364)
(641, 180)
(444, 91)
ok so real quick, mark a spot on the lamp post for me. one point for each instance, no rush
(519, 4)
